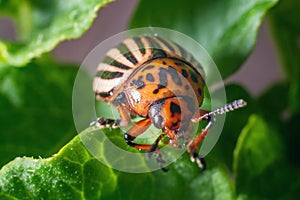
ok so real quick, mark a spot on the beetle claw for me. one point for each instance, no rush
(199, 160)
(159, 159)
(104, 122)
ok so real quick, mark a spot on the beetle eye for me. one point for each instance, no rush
(157, 121)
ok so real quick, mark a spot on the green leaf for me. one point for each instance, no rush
(286, 30)
(36, 109)
(73, 173)
(226, 29)
(41, 25)
(274, 111)
(291, 133)
(215, 183)
(260, 168)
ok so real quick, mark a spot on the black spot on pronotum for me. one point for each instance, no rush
(150, 77)
(186, 87)
(155, 91)
(158, 88)
(163, 77)
(180, 64)
(194, 78)
(174, 108)
(148, 67)
(132, 83)
(139, 83)
(175, 77)
(184, 73)
(199, 91)
(174, 124)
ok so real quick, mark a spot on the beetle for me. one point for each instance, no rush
(158, 80)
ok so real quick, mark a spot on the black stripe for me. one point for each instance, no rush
(110, 61)
(166, 43)
(183, 52)
(126, 51)
(109, 75)
(153, 43)
(139, 44)
(157, 50)
(195, 61)
(104, 94)
(159, 53)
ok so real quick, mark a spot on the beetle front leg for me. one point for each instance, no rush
(137, 129)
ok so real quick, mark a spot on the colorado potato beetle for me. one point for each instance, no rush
(158, 80)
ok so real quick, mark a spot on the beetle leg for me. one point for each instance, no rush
(154, 149)
(209, 116)
(125, 118)
(137, 129)
(154, 146)
(103, 122)
(194, 144)
(114, 123)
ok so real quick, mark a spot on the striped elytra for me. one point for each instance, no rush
(158, 80)
(126, 58)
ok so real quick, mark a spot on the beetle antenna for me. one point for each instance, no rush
(227, 108)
